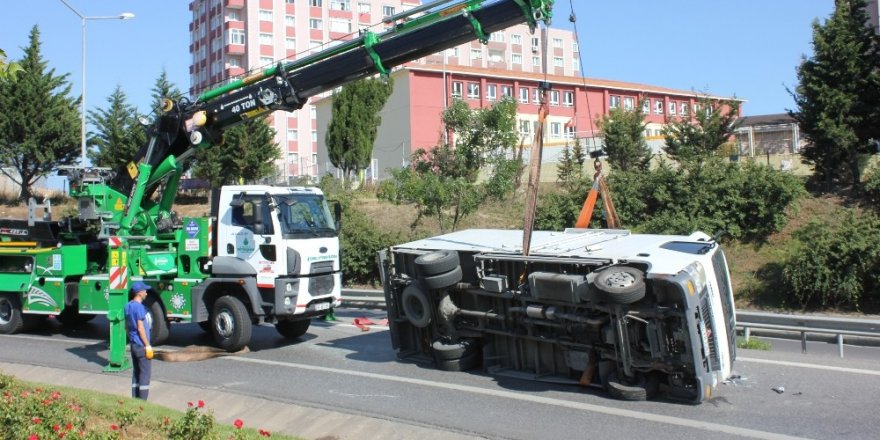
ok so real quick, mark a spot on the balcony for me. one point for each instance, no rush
(235, 4)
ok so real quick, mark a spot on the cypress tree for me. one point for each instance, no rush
(118, 136)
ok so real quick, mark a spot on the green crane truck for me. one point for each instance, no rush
(265, 255)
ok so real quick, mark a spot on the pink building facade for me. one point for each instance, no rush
(232, 37)
(411, 118)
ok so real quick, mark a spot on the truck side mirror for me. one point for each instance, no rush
(236, 203)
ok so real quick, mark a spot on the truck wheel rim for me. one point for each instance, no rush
(621, 279)
(225, 324)
(5, 311)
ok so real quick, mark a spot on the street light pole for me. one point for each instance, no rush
(83, 19)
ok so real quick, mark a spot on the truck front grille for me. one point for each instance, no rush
(321, 267)
(321, 285)
(706, 314)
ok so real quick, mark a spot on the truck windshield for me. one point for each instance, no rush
(305, 216)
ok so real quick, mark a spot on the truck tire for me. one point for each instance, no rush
(444, 351)
(620, 285)
(443, 280)
(159, 327)
(11, 320)
(416, 305)
(466, 363)
(643, 388)
(293, 329)
(436, 263)
(230, 324)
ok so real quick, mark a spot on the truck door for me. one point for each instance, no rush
(250, 237)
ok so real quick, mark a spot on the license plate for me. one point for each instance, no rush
(322, 306)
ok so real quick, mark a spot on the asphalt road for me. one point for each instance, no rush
(339, 367)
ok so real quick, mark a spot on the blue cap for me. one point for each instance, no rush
(138, 286)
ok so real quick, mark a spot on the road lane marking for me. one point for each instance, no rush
(812, 366)
(669, 420)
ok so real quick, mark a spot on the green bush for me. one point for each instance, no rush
(872, 186)
(748, 201)
(835, 265)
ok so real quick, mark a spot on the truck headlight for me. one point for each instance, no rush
(697, 278)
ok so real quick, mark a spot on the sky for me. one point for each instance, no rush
(744, 48)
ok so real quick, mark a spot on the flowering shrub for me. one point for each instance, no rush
(196, 424)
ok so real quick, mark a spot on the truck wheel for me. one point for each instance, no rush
(466, 363)
(416, 305)
(11, 321)
(620, 285)
(642, 388)
(443, 280)
(436, 263)
(293, 329)
(444, 351)
(230, 324)
(159, 327)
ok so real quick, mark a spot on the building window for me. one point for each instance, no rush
(265, 38)
(557, 43)
(555, 130)
(497, 36)
(290, 43)
(315, 23)
(569, 132)
(576, 65)
(340, 5)
(313, 111)
(554, 97)
(491, 92)
(265, 61)
(453, 52)
(568, 99)
(685, 109)
(364, 8)
(496, 56)
(614, 102)
(340, 26)
(387, 11)
(535, 44)
(233, 15)
(233, 61)
(536, 97)
(289, 21)
(476, 54)
(236, 36)
(629, 103)
(265, 15)
(516, 39)
(646, 106)
(574, 46)
(672, 108)
(524, 127)
(315, 46)
(524, 95)
(473, 90)
(316, 3)
(658, 107)
(456, 89)
(507, 91)
(536, 61)
(292, 135)
(516, 58)
(558, 62)
(314, 136)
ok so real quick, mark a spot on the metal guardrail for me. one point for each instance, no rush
(839, 327)
(808, 324)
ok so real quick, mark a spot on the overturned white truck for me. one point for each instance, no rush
(636, 314)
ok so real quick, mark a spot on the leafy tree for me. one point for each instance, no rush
(443, 182)
(39, 124)
(838, 95)
(355, 124)
(625, 145)
(7, 69)
(245, 154)
(163, 88)
(695, 139)
(119, 134)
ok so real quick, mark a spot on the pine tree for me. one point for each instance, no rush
(39, 123)
(163, 88)
(355, 124)
(838, 95)
(693, 140)
(625, 145)
(246, 154)
(118, 136)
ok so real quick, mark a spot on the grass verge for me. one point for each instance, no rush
(752, 343)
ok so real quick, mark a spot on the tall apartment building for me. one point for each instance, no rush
(232, 37)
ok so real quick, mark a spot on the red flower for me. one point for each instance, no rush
(265, 433)
(56, 395)
(201, 403)
(33, 437)
(61, 435)
(36, 420)
(68, 426)
(189, 404)
(238, 423)
(56, 428)
(114, 427)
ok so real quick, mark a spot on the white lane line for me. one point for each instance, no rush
(812, 366)
(62, 340)
(687, 423)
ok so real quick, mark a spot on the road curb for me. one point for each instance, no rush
(287, 418)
